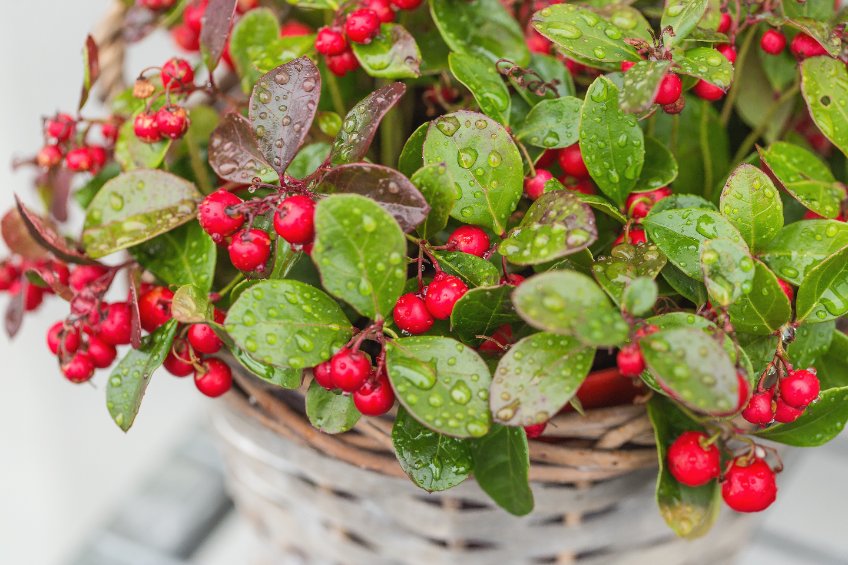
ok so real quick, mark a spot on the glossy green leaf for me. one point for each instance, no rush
(585, 36)
(132, 153)
(537, 377)
(354, 238)
(481, 311)
(832, 365)
(600, 203)
(626, 263)
(130, 377)
(287, 323)
(392, 54)
(185, 255)
(483, 161)
(552, 124)
(412, 155)
(480, 76)
(628, 19)
(822, 421)
(361, 123)
(683, 16)
(437, 186)
(816, 9)
(811, 342)
(640, 296)
(254, 30)
(556, 224)
(824, 84)
(681, 201)
(728, 271)
(641, 83)
(752, 204)
(308, 159)
(442, 383)
(760, 350)
(611, 141)
(191, 305)
(824, 293)
(660, 168)
(480, 27)
(284, 377)
(707, 64)
(329, 411)
(801, 246)
(765, 309)
(136, 207)
(687, 287)
(570, 303)
(677, 320)
(805, 177)
(502, 467)
(432, 461)
(473, 270)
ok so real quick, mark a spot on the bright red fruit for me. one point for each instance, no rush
(470, 239)
(630, 361)
(787, 289)
(330, 41)
(728, 50)
(513, 279)
(538, 43)
(670, 89)
(294, 29)
(249, 250)
(584, 186)
(295, 219)
(101, 353)
(204, 339)
(411, 315)
(759, 410)
(773, 42)
(69, 339)
(214, 217)
(707, 91)
(213, 378)
(535, 430)
(349, 369)
(362, 25)
(60, 127)
(406, 4)
(784, 413)
(636, 236)
(177, 74)
(146, 128)
(375, 397)
(8, 275)
(154, 307)
(109, 131)
(49, 156)
(534, 187)
(157, 5)
(803, 47)
(323, 374)
(187, 38)
(691, 461)
(799, 388)
(98, 157)
(116, 327)
(342, 64)
(744, 390)
(724, 23)
(627, 65)
(84, 275)
(78, 159)
(172, 121)
(749, 487)
(382, 8)
(193, 15)
(498, 341)
(79, 368)
(442, 295)
(178, 360)
(639, 204)
(571, 161)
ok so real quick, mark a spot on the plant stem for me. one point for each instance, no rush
(752, 137)
(335, 94)
(390, 141)
(734, 88)
(232, 284)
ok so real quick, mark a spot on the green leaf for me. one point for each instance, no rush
(556, 224)
(640, 296)
(811, 342)
(481, 311)
(412, 155)
(483, 161)
(686, 286)
(254, 30)
(683, 16)
(552, 124)
(392, 54)
(800, 247)
(823, 295)
(136, 207)
(628, 19)
(361, 123)
(689, 511)
(831, 366)
(681, 201)
(626, 263)
(442, 383)
(130, 377)
(570, 303)
(805, 177)
(815, 9)
(502, 468)
(765, 309)
(824, 84)
(752, 204)
(308, 159)
(676, 320)
(822, 421)
(190, 305)
(707, 64)
(437, 186)
(537, 377)
(480, 27)
(354, 238)
(728, 270)
(693, 368)
(681, 233)
(284, 377)
(328, 411)
(641, 83)
(473, 270)
(484, 81)
(432, 461)
(599, 203)
(760, 350)
(184, 255)
(825, 33)
(132, 153)
(611, 141)
(585, 36)
(660, 167)
(287, 323)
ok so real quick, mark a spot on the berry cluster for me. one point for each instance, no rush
(187, 33)
(67, 142)
(350, 371)
(785, 400)
(14, 281)
(574, 176)
(629, 359)
(171, 120)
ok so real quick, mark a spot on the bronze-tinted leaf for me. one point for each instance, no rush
(45, 272)
(389, 188)
(361, 123)
(14, 316)
(17, 237)
(217, 21)
(91, 69)
(234, 153)
(42, 232)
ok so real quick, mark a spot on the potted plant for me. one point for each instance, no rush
(465, 234)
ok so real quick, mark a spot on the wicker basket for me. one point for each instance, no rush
(344, 499)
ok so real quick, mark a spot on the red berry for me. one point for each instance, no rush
(146, 128)
(773, 42)
(193, 15)
(724, 23)
(8, 275)
(744, 390)
(109, 131)
(214, 218)
(349, 369)
(636, 236)
(172, 121)
(534, 431)
(630, 361)
(33, 298)
(362, 25)
(708, 91)
(571, 161)
(323, 375)
(406, 4)
(574, 67)
(583, 186)
(498, 341)
(728, 50)
(470, 239)
(330, 41)
(84, 275)
(60, 127)
(669, 90)
(78, 159)
(749, 488)
(627, 65)
(787, 289)
(375, 397)
(639, 204)
(178, 74)
(411, 315)
(178, 361)
(204, 339)
(538, 43)
(49, 156)
(187, 38)
(154, 307)
(690, 462)
(512, 279)
(785, 414)
(799, 388)
(759, 410)
(442, 294)
(244, 6)
(295, 219)
(803, 47)
(213, 378)
(534, 187)
(79, 368)
(249, 250)
(98, 157)
(294, 29)
(382, 8)
(101, 353)
(57, 335)
(157, 5)
(116, 327)
(342, 64)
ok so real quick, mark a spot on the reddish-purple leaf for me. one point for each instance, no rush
(282, 107)
(17, 237)
(46, 274)
(91, 68)
(15, 311)
(361, 123)
(234, 153)
(135, 316)
(56, 182)
(386, 186)
(217, 21)
(47, 237)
